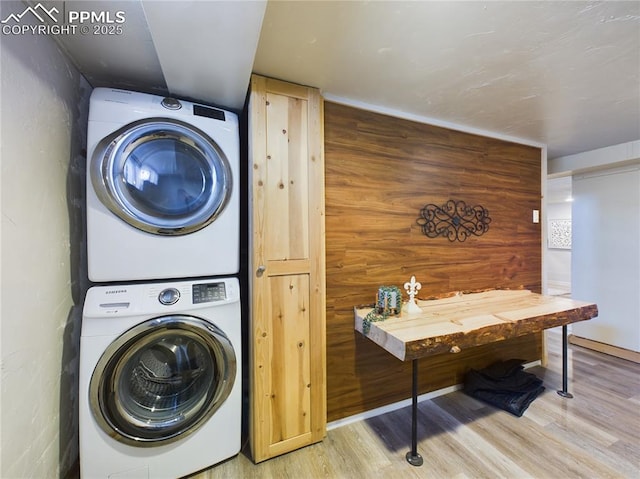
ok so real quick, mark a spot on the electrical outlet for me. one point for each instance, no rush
(536, 216)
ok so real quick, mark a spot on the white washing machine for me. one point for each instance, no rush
(160, 378)
(162, 188)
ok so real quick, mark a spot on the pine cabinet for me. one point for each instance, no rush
(287, 268)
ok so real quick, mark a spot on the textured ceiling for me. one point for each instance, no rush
(565, 74)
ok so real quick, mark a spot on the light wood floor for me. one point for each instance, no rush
(594, 435)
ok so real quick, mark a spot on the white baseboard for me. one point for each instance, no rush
(609, 349)
(558, 287)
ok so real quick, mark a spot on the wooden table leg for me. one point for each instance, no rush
(412, 456)
(564, 392)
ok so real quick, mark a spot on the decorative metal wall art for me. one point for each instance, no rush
(454, 220)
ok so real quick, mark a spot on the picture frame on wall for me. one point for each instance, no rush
(559, 236)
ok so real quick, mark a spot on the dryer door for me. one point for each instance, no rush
(161, 380)
(161, 176)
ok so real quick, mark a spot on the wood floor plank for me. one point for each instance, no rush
(523, 440)
(594, 435)
(487, 460)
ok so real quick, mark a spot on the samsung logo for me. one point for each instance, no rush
(115, 291)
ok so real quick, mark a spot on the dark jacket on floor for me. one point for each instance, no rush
(505, 385)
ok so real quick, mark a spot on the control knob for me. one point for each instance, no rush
(171, 103)
(169, 296)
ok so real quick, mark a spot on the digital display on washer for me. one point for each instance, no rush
(207, 292)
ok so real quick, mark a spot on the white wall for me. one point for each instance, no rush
(606, 240)
(610, 157)
(558, 261)
(606, 266)
(43, 99)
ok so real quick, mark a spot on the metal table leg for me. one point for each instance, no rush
(564, 392)
(412, 456)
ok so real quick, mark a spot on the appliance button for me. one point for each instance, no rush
(171, 103)
(169, 296)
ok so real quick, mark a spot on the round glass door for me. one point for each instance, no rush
(161, 176)
(161, 380)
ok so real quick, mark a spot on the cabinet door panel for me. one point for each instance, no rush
(287, 179)
(289, 361)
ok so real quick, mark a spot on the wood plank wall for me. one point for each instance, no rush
(380, 171)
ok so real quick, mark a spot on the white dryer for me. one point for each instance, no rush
(162, 188)
(160, 378)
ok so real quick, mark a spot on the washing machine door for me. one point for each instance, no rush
(161, 176)
(161, 380)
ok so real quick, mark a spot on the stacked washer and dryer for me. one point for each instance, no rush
(160, 347)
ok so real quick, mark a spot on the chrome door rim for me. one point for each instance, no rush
(113, 416)
(111, 154)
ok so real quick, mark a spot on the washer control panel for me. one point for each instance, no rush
(131, 300)
(208, 292)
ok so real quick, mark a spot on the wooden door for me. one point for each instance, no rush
(287, 270)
